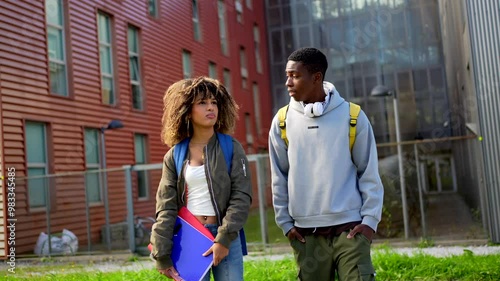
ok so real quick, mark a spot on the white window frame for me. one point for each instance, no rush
(153, 4)
(187, 64)
(196, 21)
(256, 102)
(223, 31)
(108, 46)
(94, 166)
(244, 69)
(238, 6)
(135, 54)
(256, 40)
(38, 165)
(144, 140)
(212, 70)
(248, 132)
(226, 76)
(57, 62)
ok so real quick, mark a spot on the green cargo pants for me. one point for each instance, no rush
(321, 258)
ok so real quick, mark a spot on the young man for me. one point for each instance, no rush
(327, 198)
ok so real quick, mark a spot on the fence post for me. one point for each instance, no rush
(87, 213)
(47, 210)
(420, 195)
(262, 199)
(130, 207)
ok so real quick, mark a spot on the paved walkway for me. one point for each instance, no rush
(121, 261)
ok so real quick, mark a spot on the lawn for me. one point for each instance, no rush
(388, 264)
(253, 228)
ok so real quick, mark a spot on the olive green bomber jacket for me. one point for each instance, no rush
(231, 196)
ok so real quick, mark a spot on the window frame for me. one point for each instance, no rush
(94, 166)
(238, 7)
(212, 70)
(256, 102)
(109, 46)
(223, 30)
(137, 55)
(256, 40)
(147, 191)
(226, 78)
(243, 68)
(64, 48)
(156, 11)
(187, 66)
(37, 165)
(196, 20)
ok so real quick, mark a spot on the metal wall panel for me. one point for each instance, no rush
(484, 26)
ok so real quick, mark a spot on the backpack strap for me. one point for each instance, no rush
(354, 110)
(180, 153)
(281, 117)
(226, 143)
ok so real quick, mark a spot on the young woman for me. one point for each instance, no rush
(198, 109)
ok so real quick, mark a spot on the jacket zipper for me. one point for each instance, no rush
(210, 187)
(184, 190)
(244, 167)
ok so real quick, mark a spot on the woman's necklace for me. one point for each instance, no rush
(198, 147)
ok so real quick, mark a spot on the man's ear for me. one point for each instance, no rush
(318, 77)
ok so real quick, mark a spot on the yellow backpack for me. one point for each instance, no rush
(354, 110)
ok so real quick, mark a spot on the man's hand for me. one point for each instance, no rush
(220, 252)
(363, 229)
(171, 273)
(294, 234)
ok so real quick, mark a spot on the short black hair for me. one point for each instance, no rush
(313, 59)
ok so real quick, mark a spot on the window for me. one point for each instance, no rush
(244, 70)
(226, 75)
(186, 64)
(222, 27)
(212, 70)
(135, 68)
(256, 102)
(56, 47)
(140, 158)
(37, 164)
(248, 129)
(196, 21)
(239, 10)
(249, 4)
(256, 40)
(106, 59)
(153, 8)
(93, 184)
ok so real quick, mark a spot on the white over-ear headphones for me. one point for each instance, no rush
(313, 109)
(317, 108)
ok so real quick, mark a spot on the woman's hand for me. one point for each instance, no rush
(171, 273)
(220, 252)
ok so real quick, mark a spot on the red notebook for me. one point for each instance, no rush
(191, 239)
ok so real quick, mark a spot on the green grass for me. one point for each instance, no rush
(389, 266)
(253, 232)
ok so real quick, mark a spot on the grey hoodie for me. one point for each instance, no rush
(316, 181)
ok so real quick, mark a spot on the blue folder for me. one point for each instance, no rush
(187, 251)
(191, 239)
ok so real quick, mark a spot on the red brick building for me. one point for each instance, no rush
(68, 67)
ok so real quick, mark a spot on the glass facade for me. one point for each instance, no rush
(396, 43)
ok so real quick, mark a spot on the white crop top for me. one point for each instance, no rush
(198, 197)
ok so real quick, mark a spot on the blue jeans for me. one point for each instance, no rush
(231, 267)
